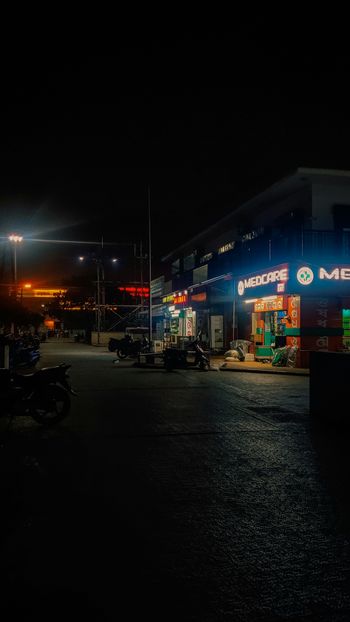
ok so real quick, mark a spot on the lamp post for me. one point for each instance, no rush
(15, 239)
(98, 267)
(149, 268)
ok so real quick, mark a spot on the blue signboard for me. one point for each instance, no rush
(296, 278)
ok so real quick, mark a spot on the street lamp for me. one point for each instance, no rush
(15, 239)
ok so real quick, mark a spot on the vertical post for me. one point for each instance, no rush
(98, 304)
(7, 356)
(141, 274)
(103, 297)
(234, 311)
(15, 266)
(15, 239)
(102, 291)
(150, 266)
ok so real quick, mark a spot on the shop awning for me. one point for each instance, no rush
(222, 277)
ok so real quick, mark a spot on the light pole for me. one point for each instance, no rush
(149, 268)
(98, 266)
(15, 239)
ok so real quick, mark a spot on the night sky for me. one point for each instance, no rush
(204, 121)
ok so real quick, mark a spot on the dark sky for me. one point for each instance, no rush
(206, 121)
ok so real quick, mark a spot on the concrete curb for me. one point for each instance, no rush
(259, 368)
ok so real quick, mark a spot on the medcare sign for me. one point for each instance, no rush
(265, 278)
(306, 275)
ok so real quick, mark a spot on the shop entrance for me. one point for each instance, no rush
(269, 328)
(179, 325)
(269, 322)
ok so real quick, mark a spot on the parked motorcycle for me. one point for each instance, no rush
(24, 351)
(24, 356)
(127, 346)
(43, 395)
(174, 358)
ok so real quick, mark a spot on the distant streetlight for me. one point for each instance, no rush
(15, 239)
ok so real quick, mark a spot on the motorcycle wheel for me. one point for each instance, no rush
(121, 354)
(50, 405)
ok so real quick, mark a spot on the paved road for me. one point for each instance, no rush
(185, 496)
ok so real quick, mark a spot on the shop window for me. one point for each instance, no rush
(189, 262)
(175, 267)
(200, 274)
(168, 287)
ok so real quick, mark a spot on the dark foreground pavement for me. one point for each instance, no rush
(175, 496)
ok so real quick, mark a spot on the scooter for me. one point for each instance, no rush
(43, 395)
(174, 358)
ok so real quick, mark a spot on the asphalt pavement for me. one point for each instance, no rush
(184, 495)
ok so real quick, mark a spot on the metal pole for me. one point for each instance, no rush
(103, 298)
(150, 265)
(141, 274)
(234, 311)
(98, 304)
(15, 266)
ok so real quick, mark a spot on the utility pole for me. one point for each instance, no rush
(150, 265)
(15, 239)
(234, 310)
(15, 267)
(98, 303)
(141, 274)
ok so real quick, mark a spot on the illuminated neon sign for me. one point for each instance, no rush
(180, 299)
(136, 291)
(262, 279)
(342, 274)
(169, 298)
(47, 293)
(269, 305)
(305, 275)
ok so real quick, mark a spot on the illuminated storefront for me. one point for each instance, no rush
(305, 305)
(179, 318)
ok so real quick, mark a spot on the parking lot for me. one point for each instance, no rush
(177, 496)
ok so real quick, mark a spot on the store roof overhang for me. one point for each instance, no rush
(222, 277)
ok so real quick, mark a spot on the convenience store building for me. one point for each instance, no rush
(297, 304)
